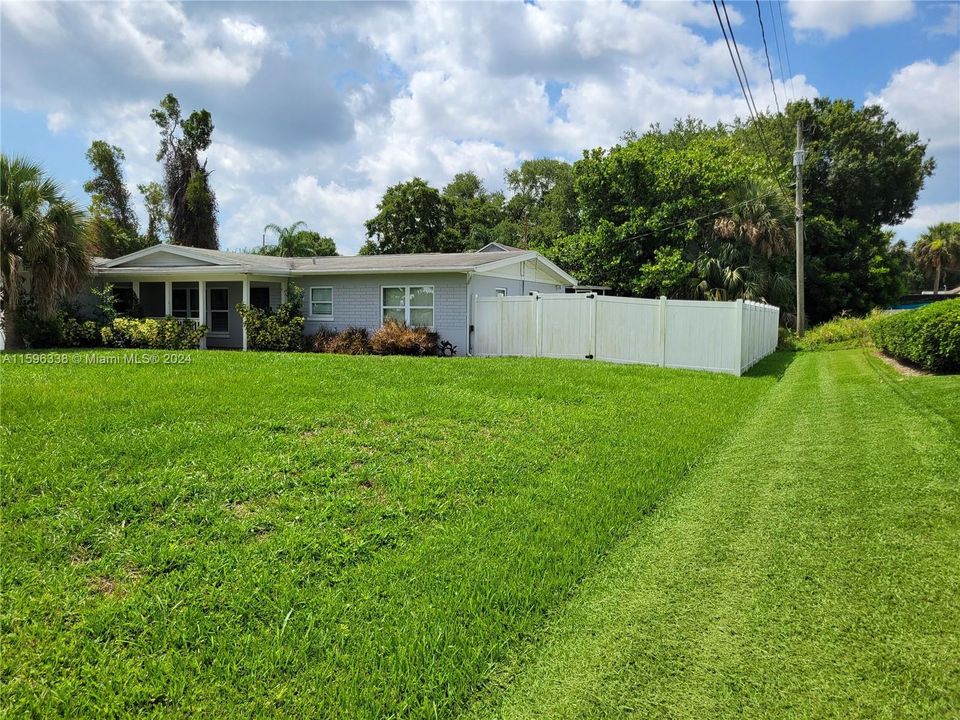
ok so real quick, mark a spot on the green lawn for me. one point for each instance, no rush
(320, 536)
(810, 569)
(300, 535)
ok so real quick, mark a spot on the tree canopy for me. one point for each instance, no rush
(191, 202)
(297, 241)
(41, 233)
(412, 217)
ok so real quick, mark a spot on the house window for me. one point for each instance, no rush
(186, 303)
(260, 298)
(321, 302)
(219, 311)
(124, 300)
(501, 292)
(412, 304)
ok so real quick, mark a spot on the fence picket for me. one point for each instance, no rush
(726, 337)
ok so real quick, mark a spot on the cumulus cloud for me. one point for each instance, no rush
(926, 215)
(836, 19)
(319, 107)
(925, 97)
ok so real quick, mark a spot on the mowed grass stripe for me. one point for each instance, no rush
(810, 570)
(293, 535)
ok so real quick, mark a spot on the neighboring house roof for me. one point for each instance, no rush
(497, 247)
(200, 259)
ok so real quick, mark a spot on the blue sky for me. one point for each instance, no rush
(319, 107)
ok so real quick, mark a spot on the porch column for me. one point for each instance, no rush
(202, 309)
(283, 291)
(136, 289)
(246, 301)
(167, 298)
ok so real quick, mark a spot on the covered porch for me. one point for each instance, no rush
(209, 301)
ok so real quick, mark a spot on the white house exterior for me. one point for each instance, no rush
(436, 290)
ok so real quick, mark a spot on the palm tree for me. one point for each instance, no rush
(939, 249)
(759, 218)
(297, 241)
(42, 236)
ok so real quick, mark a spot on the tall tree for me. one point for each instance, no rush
(107, 187)
(41, 233)
(412, 217)
(112, 227)
(938, 249)
(297, 241)
(543, 207)
(191, 201)
(475, 214)
(158, 217)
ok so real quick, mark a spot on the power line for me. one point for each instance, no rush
(786, 48)
(776, 40)
(739, 60)
(702, 217)
(773, 84)
(745, 88)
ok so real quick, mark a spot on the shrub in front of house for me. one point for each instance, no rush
(280, 330)
(397, 338)
(320, 341)
(275, 330)
(352, 341)
(167, 334)
(79, 333)
(928, 337)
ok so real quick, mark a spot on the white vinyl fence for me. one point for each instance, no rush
(725, 337)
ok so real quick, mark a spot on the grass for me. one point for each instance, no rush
(809, 569)
(298, 535)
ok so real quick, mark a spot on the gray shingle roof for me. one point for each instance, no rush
(364, 263)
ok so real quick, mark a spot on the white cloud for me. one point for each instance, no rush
(925, 97)
(926, 215)
(949, 23)
(57, 121)
(318, 108)
(836, 18)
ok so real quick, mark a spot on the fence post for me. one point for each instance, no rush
(499, 325)
(539, 346)
(738, 323)
(535, 325)
(663, 330)
(592, 348)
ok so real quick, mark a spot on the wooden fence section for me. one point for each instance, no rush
(725, 337)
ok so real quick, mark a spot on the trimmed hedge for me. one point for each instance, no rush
(168, 333)
(928, 337)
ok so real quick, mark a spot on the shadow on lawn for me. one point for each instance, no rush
(774, 365)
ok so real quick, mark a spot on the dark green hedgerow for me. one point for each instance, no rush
(928, 337)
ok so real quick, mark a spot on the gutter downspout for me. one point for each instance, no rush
(469, 313)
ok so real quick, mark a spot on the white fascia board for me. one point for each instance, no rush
(563, 275)
(214, 270)
(163, 247)
(384, 271)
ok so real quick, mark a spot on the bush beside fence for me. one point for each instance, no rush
(928, 337)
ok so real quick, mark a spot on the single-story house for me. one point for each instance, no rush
(435, 290)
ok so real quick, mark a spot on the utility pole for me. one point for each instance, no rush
(798, 157)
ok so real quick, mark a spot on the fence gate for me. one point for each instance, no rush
(720, 336)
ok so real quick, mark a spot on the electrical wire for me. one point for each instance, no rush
(773, 84)
(702, 217)
(776, 40)
(745, 88)
(786, 48)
